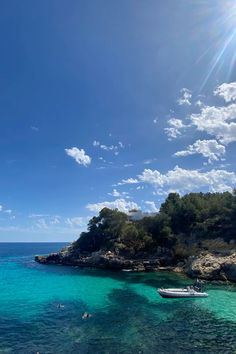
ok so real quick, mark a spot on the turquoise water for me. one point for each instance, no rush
(128, 316)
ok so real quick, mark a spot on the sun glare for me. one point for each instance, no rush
(225, 44)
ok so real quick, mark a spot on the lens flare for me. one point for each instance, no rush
(225, 54)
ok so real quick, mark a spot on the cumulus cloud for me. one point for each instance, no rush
(216, 121)
(175, 127)
(227, 91)
(185, 98)
(182, 180)
(120, 204)
(79, 156)
(210, 149)
(1, 207)
(128, 181)
(151, 207)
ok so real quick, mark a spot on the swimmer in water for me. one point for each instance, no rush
(86, 315)
(60, 306)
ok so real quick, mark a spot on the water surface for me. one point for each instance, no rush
(128, 316)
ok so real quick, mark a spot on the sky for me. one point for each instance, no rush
(111, 103)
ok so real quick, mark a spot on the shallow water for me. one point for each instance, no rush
(128, 316)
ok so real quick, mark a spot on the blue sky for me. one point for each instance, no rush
(111, 103)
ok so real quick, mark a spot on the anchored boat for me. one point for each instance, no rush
(189, 291)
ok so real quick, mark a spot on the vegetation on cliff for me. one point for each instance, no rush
(193, 218)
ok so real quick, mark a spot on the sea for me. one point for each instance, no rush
(127, 314)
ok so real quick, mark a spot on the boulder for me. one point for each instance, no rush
(212, 267)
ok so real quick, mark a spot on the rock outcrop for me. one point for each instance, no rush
(212, 266)
(108, 260)
(207, 266)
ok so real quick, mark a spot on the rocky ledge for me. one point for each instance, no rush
(205, 266)
(212, 266)
(106, 260)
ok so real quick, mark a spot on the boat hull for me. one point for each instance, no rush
(182, 293)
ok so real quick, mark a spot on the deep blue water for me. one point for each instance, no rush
(128, 316)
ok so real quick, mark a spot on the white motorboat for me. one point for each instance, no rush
(181, 293)
(190, 291)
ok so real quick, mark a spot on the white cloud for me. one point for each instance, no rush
(128, 165)
(139, 188)
(8, 211)
(148, 161)
(182, 180)
(55, 220)
(128, 181)
(216, 121)
(36, 129)
(185, 98)
(79, 155)
(41, 224)
(1, 207)
(96, 143)
(116, 193)
(207, 148)
(121, 145)
(155, 121)
(227, 91)
(114, 148)
(151, 207)
(176, 125)
(199, 103)
(77, 221)
(120, 204)
(32, 216)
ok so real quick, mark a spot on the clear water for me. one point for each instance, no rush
(128, 316)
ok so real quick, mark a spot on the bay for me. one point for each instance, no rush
(128, 316)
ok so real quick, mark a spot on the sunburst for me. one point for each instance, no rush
(225, 45)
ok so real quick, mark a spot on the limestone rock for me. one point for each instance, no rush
(212, 267)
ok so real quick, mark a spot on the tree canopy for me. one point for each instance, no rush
(197, 216)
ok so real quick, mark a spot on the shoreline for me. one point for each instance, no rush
(210, 267)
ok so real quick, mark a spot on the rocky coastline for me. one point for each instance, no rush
(207, 266)
(194, 234)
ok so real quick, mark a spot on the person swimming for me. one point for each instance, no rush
(60, 306)
(86, 315)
